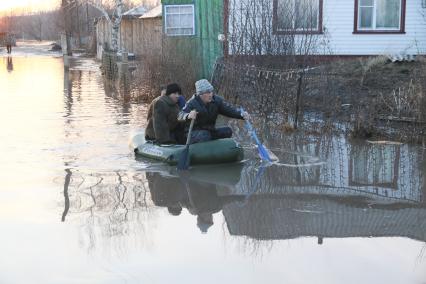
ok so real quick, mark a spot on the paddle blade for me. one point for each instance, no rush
(183, 163)
(263, 153)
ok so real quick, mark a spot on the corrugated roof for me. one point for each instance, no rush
(402, 57)
(137, 11)
(153, 13)
(288, 217)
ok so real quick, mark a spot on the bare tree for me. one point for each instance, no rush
(112, 10)
(65, 7)
(281, 27)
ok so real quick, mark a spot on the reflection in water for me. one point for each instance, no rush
(303, 216)
(377, 165)
(67, 143)
(66, 195)
(385, 173)
(325, 180)
(9, 64)
(287, 212)
(270, 213)
(123, 204)
(110, 207)
(199, 198)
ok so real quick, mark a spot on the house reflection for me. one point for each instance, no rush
(387, 173)
(362, 190)
(377, 165)
(277, 218)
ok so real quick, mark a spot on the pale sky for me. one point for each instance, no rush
(29, 5)
(36, 5)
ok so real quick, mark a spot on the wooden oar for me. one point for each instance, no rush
(184, 161)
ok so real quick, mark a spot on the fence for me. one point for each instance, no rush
(363, 103)
(109, 65)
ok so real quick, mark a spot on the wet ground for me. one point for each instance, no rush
(77, 207)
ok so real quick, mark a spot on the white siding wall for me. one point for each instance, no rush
(339, 23)
(338, 37)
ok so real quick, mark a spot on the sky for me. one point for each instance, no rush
(29, 5)
(37, 5)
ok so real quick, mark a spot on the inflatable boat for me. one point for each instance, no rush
(211, 152)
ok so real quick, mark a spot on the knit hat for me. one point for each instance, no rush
(173, 88)
(204, 222)
(174, 210)
(203, 86)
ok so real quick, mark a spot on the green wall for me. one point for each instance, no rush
(204, 46)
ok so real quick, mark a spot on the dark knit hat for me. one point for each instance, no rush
(173, 88)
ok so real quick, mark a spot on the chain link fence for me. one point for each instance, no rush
(389, 102)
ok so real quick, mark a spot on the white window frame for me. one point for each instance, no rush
(301, 30)
(165, 19)
(374, 28)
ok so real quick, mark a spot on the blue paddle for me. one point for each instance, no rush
(263, 153)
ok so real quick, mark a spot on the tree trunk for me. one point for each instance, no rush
(67, 28)
(116, 21)
(87, 20)
(78, 27)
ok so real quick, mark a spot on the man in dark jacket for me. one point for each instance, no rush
(163, 126)
(9, 43)
(205, 107)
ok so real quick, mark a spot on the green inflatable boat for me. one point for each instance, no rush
(212, 152)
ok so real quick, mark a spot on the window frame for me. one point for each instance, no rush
(165, 20)
(401, 29)
(277, 31)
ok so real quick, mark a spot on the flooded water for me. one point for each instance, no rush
(76, 206)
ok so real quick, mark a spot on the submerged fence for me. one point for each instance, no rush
(315, 99)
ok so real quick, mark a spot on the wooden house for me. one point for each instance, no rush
(140, 32)
(194, 28)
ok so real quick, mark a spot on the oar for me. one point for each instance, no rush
(254, 188)
(263, 153)
(183, 163)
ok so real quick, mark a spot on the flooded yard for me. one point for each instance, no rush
(76, 205)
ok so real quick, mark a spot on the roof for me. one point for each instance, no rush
(296, 217)
(156, 12)
(135, 12)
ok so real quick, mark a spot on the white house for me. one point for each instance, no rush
(331, 27)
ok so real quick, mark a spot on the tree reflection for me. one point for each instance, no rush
(66, 194)
(292, 199)
(112, 207)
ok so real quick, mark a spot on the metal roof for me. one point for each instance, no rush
(156, 12)
(136, 12)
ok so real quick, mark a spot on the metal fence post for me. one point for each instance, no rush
(298, 100)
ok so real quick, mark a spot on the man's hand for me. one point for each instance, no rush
(192, 114)
(245, 115)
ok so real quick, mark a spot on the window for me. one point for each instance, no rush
(179, 20)
(384, 16)
(377, 165)
(297, 16)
